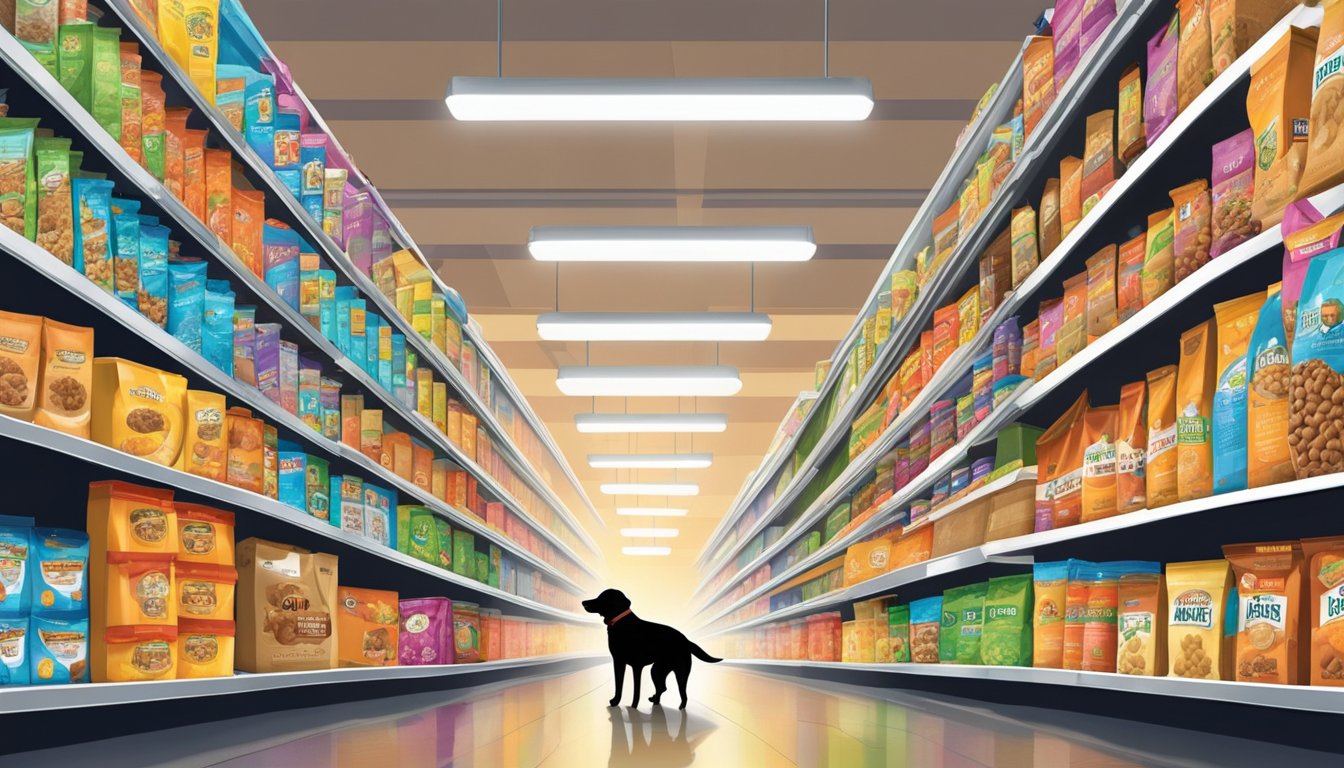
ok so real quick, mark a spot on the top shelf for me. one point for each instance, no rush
(314, 233)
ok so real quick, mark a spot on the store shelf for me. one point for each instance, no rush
(937, 291)
(66, 697)
(1295, 697)
(48, 266)
(222, 493)
(40, 80)
(958, 363)
(313, 233)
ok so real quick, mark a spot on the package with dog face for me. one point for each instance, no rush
(138, 409)
(285, 598)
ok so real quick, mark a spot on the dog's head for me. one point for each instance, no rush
(609, 604)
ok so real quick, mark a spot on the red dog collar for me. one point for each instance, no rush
(619, 616)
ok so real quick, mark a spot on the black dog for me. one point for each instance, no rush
(637, 644)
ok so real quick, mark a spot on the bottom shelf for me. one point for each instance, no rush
(48, 697)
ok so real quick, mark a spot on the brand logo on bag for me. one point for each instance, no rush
(1193, 607)
(146, 393)
(1275, 354)
(13, 344)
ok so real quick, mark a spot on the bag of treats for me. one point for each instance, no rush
(1099, 479)
(1233, 185)
(1236, 320)
(1082, 576)
(129, 93)
(367, 624)
(962, 625)
(1070, 194)
(1305, 236)
(1131, 442)
(1052, 317)
(20, 363)
(67, 378)
(1141, 631)
(1050, 583)
(1067, 25)
(1129, 278)
(1129, 138)
(152, 296)
(1317, 361)
(138, 409)
(1160, 101)
(1101, 306)
(1193, 231)
(245, 457)
(1005, 640)
(1197, 596)
(1098, 157)
(1064, 444)
(1072, 335)
(1270, 592)
(1025, 255)
(60, 562)
(1158, 274)
(1325, 167)
(217, 325)
(186, 301)
(1235, 25)
(1268, 460)
(55, 211)
(1160, 460)
(926, 617)
(105, 80)
(945, 229)
(1038, 81)
(204, 451)
(1049, 234)
(35, 25)
(286, 597)
(1279, 105)
(1196, 52)
(152, 118)
(126, 250)
(93, 254)
(1195, 381)
(1324, 559)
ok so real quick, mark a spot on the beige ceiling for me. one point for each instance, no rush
(470, 192)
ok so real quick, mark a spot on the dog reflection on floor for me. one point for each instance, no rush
(656, 747)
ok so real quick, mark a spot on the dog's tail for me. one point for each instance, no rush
(700, 654)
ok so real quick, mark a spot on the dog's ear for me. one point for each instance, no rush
(619, 601)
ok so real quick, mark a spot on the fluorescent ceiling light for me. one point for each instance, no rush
(653, 326)
(647, 551)
(649, 533)
(650, 460)
(682, 244)
(651, 489)
(660, 99)
(593, 423)
(651, 512)
(648, 381)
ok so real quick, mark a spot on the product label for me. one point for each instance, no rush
(1192, 608)
(1263, 609)
(1161, 441)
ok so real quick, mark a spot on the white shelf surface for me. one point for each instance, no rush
(335, 256)
(53, 697)
(959, 362)
(101, 455)
(23, 63)
(1298, 697)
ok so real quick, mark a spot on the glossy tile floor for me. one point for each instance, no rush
(736, 718)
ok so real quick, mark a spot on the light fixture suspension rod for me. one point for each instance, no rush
(753, 286)
(499, 38)
(825, 38)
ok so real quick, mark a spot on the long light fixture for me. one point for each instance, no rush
(773, 99)
(650, 460)
(649, 533)
(651, 489)
(651, 512)
(653, 326)
(647, 551)
(604, 423)
(648, 381)
(679, 244)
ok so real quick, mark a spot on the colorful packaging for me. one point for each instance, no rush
(1070, 194)
(1141, 636)
(1006, 639)
(55, 211)
(93, 244)
(1049, 233)
(925, 622)
(130, 518)
(58, 649)
(367, 627)
(1196, 380)
(1236, 320)
(1098, 158)
(1160, 103)
(152, 117)
(137, 409)
(1129, 278)
(247, 230)
(152, 296)
(1325, 592)
(1233, 187)
(1197, 596)
(962, 624)
(285, 620)
(1279, 107)
(245, 459)
(425, 635)
(14, 667)
(67, 378)
(1270, 592)
(1324, 167)
(1059, 455)
(1101, 290)
(1317, 364)
(1038, 80)
(60, 563)
(1268, 458)
(186, 301)
(1129, 136)
(1072, 334)
(205, 536)
(205, 648)
(131, 136)
(1193, 230)
(1158, 273)
(1099, 464)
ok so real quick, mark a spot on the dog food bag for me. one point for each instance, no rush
(1067, 492)
(1070, 194)
(1235, 25)
(286, 597)
(132, 139)
(1233, 184)
(1270, 592)
(1067, 25)
(1197, 596)
(1049, 586)
(93, 246)
(1099, 479)
(1160, 102)
(1025, 254)
(247, 231)
(137, 409)
(1161, 460)
(1101, 290)
(205, 591)
(1082, 576)
(1306, 235)
(1131, 443)
(55, 211)
(1038, 81)
(1196, 380)
(1193, 232)
(1196, 52)
(1268, 458)
(1129, 138)
(131, 519)
(1006, 635)
(60, 562)
(925, 623)
(945, 232)
(1324, 560)
(35, 23)
(425, 635)
(133, 589)
(1051, 318)
(1158, 274)
(16, 550)
(1318, 358)
(367, 626)
(217, 325)
(1279, 106)
(152, 122)
(1101, 613)
(133, 653)
(1141, 627)
(467, 634)
(205, 648)
(186, 301)
(152, 294)
(14, 667)
(1129, 278)
(1072, 336)
(245, 457)
(58, 649)
(1236, 320)
(962, 624)
(204, 450)
(1098, 157)
(1324, 167)
(21, 363)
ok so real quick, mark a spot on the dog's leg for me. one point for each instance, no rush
(683, 675)
(638, 673)
(620, 679)
(659, 675)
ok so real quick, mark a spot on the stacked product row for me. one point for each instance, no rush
(264, 108)
(157, 591)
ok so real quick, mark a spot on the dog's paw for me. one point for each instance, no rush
(653, 700)
(613, 702)
(683, 705)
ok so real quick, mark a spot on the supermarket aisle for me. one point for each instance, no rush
(736, 718)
